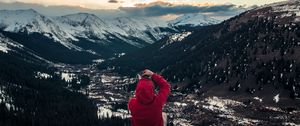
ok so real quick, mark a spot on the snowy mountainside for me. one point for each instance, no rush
(82, 25)
(30, 21)
(193, 20)
(69, 28)
(176, 38)
(90, 26)
(82, 33)
(66, 29)
(136, 26)
(7, 44)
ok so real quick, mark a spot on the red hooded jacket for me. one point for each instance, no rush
(146, 107)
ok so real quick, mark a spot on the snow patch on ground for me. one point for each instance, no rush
(68, 77)
(224, 107)
(180, 36)
(91, 51)
(258, 99)
(98, 61)
(221, 105)
(114, 99)
(122, 113)
(105, 79)
(120, 54)
(276, 98)
(180, 104)
(41, 75)
(290, 124)
(106, 112)
(108, 79)
(274, 109)
(2, 94)
(95, 96)
(6, 99)
(4, 48)
(176, 38)
(181, 122)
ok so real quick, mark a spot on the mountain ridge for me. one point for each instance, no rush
(193, 20)
(84, 32)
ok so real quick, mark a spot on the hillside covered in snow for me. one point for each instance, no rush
(86, 35)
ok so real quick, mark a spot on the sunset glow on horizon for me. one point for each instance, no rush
(115, 4)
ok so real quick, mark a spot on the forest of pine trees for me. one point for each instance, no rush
(29, 101)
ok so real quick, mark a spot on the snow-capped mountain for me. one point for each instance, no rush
(30, 21)
(90, 26)
(66, 29)
(59, 38)
(86, 33)
(136, 27)
(193, 20)
(83, 25)
(25, 21)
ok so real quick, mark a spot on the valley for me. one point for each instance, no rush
(111, 91)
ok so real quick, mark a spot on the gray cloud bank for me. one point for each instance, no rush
(113, 1)
(61, 10)
(164, 8)
(155, 9)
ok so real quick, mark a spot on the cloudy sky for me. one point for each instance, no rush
(149, 8)
(114, 4)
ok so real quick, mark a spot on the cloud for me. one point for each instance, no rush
(113, 1)
(62, 10)
(165, 8)
(154, 9)
(162, 3)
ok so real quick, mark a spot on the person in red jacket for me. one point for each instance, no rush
(146, 107)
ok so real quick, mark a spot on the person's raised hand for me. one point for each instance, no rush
(147, 72)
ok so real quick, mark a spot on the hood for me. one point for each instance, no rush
(145, 91)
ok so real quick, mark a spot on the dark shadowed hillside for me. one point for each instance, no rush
(255, 53)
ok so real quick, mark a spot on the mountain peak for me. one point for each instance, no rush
(29, 10)
(17, 20)
(81, 15)
(85, 19)
(195, 19)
